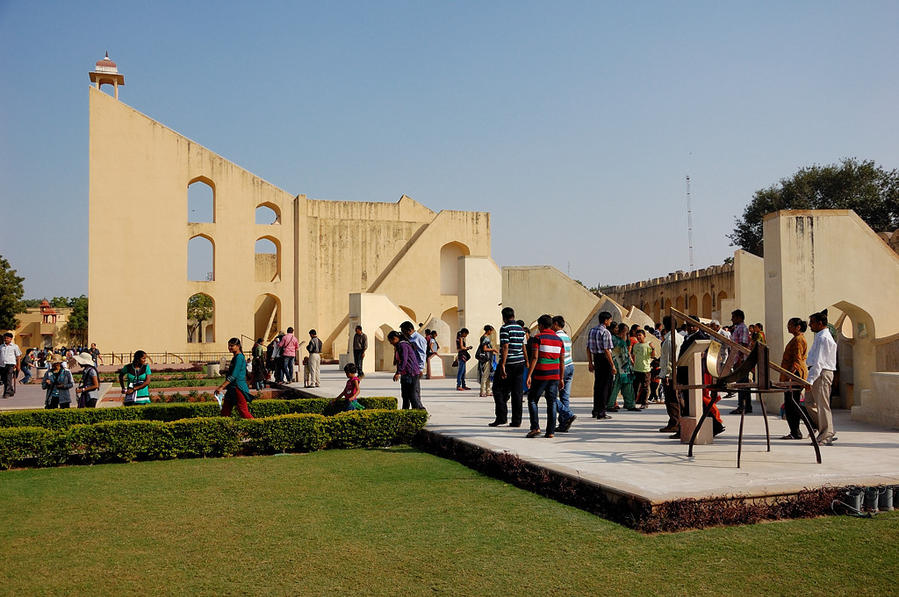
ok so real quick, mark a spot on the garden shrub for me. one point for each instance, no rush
(285, 433)
(128, 440)
(121, 441)
(31, 446)
(201, 438)
(67, 417)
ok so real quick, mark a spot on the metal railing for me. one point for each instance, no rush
(166, 358)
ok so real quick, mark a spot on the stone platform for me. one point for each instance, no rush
(627, 456)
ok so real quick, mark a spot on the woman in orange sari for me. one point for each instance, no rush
(794, 362)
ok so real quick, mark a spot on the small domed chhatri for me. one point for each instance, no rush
(106, 65)
(106, 72)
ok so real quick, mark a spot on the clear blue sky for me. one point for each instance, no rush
(575, 118)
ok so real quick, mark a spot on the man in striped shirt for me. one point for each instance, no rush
(566, 417)
(545, 375)
(599, 361)
(512, 363)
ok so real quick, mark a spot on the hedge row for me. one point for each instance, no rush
(67, 417)
(125, 441)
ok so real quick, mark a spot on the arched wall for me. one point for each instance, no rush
(201, 258)
(814, 259)
(449, 266)
(267, 317)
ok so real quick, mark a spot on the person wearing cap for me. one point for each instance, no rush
(90, 380)
(57, 382)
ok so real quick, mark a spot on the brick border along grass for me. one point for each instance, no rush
(676, 515)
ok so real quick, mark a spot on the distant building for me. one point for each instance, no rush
(43, 327)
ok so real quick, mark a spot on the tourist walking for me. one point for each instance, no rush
(360, 345)
(235, 385)
(57, 382)
(822, 362)
(599, 362)
(740, 335)
(513, 363)
(545, 375)
(88, 389)
(408, 370)
(134, 379)
(289, 346)
(95, 354)
(26, 364)
(260, 372)
(795, 354)
(563, 407)
(418, 342)
(462, 358)
(314, 348)
(672, 399)
(484, 356)
(10, 361)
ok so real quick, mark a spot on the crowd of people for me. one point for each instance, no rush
(622, 359)
(625, 364)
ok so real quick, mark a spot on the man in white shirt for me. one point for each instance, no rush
(672, 400)
(822, 362)
(10, 359)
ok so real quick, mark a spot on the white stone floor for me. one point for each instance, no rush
(629, 456)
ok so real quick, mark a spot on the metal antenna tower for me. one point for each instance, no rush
(690, 223)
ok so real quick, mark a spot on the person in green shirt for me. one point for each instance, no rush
(643, 353)
(237, 393)
(137, 376)
(624, 376)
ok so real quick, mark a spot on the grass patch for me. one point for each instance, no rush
(388, 522)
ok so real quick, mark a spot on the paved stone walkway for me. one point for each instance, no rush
(628, 455)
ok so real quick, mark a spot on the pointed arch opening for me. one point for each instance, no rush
(201, 258)
(200, 318)
(449, 266)
(268, 214)
(706, 306)
(201, 200)
(267, 317)
(268, 259)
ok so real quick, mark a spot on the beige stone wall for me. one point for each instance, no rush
(139, 177)
(831, 259)
(699, 292)
(138, 287)
(535, 290)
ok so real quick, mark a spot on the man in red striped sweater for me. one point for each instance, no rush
(545, 375)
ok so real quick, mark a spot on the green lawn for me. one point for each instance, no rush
(389, 522)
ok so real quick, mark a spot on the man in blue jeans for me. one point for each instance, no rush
(547, 365)
(566, 417)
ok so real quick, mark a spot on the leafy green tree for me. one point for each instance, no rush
(864, 187)
(11, 291)
(60, 301)
(31, 303)
(199, 308)
(77, 323)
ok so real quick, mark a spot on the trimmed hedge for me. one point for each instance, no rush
(67, 417)
(126, 441)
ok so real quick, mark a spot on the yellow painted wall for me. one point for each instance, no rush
(830, 258)
(139, 176)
